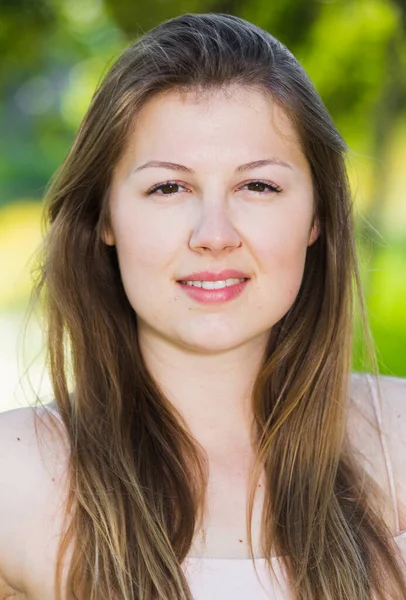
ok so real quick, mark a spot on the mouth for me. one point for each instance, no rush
(215, 285)
(208, 292)
(211, 276)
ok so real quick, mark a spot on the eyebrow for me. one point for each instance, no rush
(245, 167)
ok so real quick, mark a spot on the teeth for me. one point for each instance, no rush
(213, 285)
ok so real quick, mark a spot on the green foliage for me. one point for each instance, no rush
(55, 52)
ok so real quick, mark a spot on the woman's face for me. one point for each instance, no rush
(216, 214)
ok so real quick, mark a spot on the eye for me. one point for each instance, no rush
(168, 185)
(260, 185)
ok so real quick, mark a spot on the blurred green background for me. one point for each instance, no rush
(54, 52)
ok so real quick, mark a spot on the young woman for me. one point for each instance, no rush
(208, 439)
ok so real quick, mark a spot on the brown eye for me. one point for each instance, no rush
(261, 186)
(167, 188)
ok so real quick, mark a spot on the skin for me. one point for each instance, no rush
(211, 221)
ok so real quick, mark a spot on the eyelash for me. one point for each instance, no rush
(270, 186)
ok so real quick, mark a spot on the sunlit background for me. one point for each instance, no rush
(53, 54)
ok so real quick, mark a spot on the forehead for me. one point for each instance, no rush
(232, 122)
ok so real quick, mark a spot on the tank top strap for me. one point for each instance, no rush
(378, 414)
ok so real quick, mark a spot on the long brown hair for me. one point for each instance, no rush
(138, 479)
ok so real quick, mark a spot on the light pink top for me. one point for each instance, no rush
(235, 578)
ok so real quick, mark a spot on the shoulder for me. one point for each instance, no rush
(394, 426)
(33, 464)
(390, 393)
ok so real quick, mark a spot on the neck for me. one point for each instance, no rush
(212, 391)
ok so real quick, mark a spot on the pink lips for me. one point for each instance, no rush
(211, 276)
(214, 296)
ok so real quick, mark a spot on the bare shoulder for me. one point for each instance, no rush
(394, 426)
(363, 424)
(33, 474)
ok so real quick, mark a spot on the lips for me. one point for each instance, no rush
(212, 276)
(214, 296)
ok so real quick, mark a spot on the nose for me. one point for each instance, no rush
(214, 231)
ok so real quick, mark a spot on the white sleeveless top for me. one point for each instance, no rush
(235, 578)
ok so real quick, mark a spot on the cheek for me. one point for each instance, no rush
(145, 249)
(282, 259)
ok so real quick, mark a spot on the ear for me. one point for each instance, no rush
(108, 238)
(314, 232)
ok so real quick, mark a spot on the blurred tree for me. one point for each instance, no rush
(23, 25)
(134, 20)
(54, 52)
